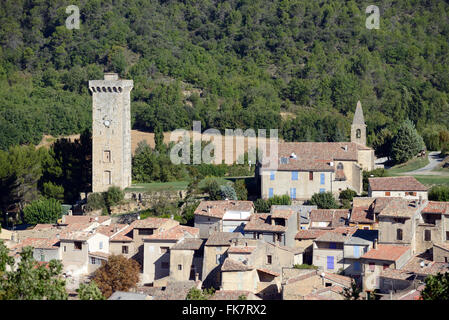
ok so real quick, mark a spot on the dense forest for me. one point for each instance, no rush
(296, 65)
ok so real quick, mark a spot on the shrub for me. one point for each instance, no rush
(439, 193)
(42, 211)
(240, 190)
(323, 200)
(228, 192)
(305, 266)
(347, 194)
(114, 196)
(95, 201)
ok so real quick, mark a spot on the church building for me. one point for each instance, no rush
(305, 168)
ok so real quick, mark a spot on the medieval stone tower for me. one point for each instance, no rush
(111, 132)
(358, 127)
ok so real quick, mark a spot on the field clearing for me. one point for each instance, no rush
(410, 165)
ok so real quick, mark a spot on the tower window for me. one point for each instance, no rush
(107, 177)
(358, 133)
(340, 166)
(107, 156)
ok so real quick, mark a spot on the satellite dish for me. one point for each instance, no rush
(422, 264)
(322, 275)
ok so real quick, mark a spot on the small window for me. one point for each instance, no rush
(65, 249)
(427, 235)
(78, 245)
(179, 266)
(107, 156)
(269, 259)
(164, 249)
(124, 249)
(340, 166)
(272, 175)
(145, 232)
(399, 234)
(107, 177)
(93, 260)
(294, 175)
(358, 133)
(311, 175)
(101, 245)
(165, 265)
(371, 266)
(322, 190)
(387, 193)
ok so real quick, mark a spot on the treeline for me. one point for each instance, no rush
(296, 65)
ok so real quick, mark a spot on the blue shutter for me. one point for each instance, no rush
(272, 175)
(332, 245)
(330, 262)
(322, 190)
(294, 175)
(293, 193)
(356, 251)
(270, 193)
(321, 178)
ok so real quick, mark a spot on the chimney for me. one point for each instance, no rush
(345, 147)
(70, 212)
(420, 200)
(375, 244)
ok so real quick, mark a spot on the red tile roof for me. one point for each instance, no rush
(399, 207)
(233, 295)
(337, 217)
(234, 265)
(281, 213)
(175, 233)
(84, 219)
(386, 252)
(342, 280)
(361, 215)
(111, 229)
(124, 235)
(149, 223)
(436, 207)
(309, 234)
(217, 209)
(262, 222)
(402, 183)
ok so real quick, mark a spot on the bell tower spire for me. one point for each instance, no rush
(358, 127)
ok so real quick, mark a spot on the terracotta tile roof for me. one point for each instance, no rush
(399, 207)
(386, 252)
(38, 243)
(217, 209)
(76, 235)
(262, 222)
(302, 165)
(281, 213)
(149, 223)
(175, 290)
(336, 217)
(124, 235)
(234, 265)
(111, 229)
(84, 219)
(396, 274)
(380, 203)
(362, 201)
(175, 233)
(188, 244)
(267, 271)
(305, 274)
(41, 226)
(241, 249)
(222, 238)
(233, 295)
(361, 215)
(99, 254)
(295, 250)
(310, 234)
(313, 151)
(429, 267)
(436, 207)
(340, 234)
(342, 280)
(402, 183)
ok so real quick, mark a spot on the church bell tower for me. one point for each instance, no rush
(358, 127)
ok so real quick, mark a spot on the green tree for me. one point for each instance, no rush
(95, 201)
(33, 281)
(213, 189)
(324, 200)
(42, 211)
(347, 194)
(437, 287)
(197, 294)
(114, 196)
(117, 274)
(240, 189)
(352, 293)
(407, 143)
(89, 292)
(439, 193)
(228, 192)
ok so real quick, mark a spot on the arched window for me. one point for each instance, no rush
(358, 133)
(340, 166)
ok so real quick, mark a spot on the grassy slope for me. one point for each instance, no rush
(411, 165)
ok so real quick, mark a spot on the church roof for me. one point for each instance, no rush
(358, 115)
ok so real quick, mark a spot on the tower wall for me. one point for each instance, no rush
(111, 132)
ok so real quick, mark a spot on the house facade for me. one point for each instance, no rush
(403, 186)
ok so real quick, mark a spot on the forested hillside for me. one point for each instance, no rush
(296, 65)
